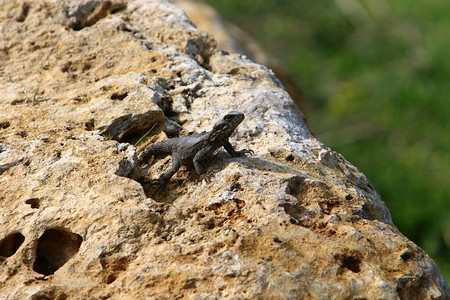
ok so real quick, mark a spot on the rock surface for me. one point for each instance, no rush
(80, 220)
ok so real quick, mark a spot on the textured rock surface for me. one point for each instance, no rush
(79, 220)
(231, 38)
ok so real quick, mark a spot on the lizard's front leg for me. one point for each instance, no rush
(201, 159)
(227, 145)
(164, 179)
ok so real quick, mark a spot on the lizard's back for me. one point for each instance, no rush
(188, 146)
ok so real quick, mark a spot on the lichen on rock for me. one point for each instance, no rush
(79, 219)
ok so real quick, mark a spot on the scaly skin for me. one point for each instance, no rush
(197, 149)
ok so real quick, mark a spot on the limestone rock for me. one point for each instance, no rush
(80, 220)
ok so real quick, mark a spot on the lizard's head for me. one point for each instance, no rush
(226, 125)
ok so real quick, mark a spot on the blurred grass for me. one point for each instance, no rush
(376, 76)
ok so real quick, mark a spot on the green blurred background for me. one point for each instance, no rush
(375, 78)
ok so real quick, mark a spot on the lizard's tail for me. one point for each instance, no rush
(161, 148)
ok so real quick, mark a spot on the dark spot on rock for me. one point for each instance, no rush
(363, 213)
(213, 206)
(328, 205)
(110, 278)
(406, 255)
(119, 95)
(23, 13)
(235, 186)
(239, 203)
(22, 133)
(290, 157)
(17, 101)
(233, 71)
(4, 124)
(10, 244)
(330, 232)
(293, 221)
(33, 202)
(350, 261)
(54, 248)
(190, 283)
(276, 240)
(90, 125)
(295, 185)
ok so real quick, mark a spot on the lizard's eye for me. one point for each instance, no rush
(227, 118)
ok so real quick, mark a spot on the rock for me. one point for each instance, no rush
(231, 38)
(80, 220)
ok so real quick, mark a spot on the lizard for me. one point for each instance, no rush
(197, 149)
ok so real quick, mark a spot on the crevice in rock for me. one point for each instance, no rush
(10, 244)
(54, 248)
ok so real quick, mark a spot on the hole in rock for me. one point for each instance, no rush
(54, 248)
(10, 244)
(351, 261)
(33, 202)
(406, 255)
(290, 157)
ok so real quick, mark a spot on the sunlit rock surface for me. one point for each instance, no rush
(82, 81)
